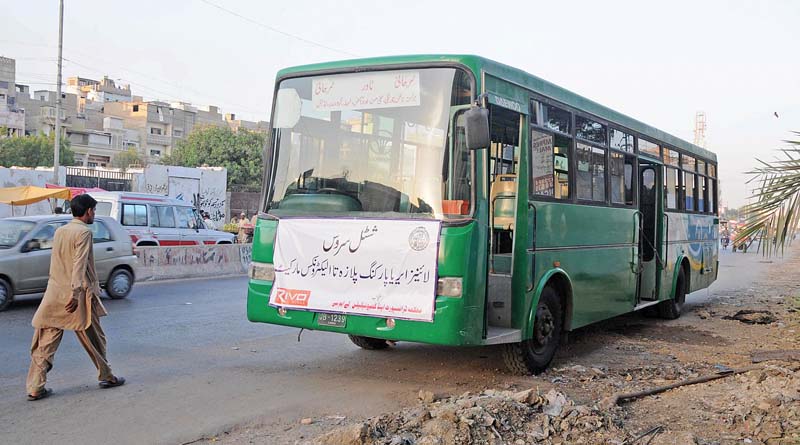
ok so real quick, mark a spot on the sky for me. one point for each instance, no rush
(659, 62)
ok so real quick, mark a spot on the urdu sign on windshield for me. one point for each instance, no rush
(388, 89)
(376, 267)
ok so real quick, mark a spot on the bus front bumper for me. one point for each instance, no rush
(450, 326)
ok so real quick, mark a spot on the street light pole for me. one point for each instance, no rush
(58, 93)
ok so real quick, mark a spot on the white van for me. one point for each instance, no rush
(156, 220)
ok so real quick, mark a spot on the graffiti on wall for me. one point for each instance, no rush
(211, 200)
(184, 256)
(246, 254)
(195, 261)
(159, 189)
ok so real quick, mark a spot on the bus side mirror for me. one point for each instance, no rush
(476, 128)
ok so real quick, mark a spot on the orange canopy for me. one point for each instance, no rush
(28, 194)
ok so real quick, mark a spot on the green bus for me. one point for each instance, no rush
(532, 211)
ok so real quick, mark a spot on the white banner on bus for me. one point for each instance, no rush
(366, 91)
(376, 267)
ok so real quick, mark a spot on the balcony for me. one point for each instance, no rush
(159, 139)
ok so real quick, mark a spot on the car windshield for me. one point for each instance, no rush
(12, 231)
(379, 141)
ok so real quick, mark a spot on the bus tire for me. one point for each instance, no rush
(671, 309)
(534, 355)
(368, 343)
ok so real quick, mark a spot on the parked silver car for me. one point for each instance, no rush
(26, 243)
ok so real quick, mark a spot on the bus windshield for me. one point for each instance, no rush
(372, 142)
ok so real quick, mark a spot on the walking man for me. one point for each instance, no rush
(71, 302)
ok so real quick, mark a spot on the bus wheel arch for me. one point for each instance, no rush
(559, 281)
(533, 355)
(548, 317)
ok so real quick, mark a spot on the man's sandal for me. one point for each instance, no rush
(118, 381)
(44, 393)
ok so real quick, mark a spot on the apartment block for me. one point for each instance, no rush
(12, 118)
(102, 119)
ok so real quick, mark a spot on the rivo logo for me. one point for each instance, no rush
(292, 297)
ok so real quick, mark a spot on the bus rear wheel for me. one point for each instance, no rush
(368, 343)
(671, 309)
(534, 355)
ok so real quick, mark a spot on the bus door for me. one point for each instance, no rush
(503, 181)
(650, 252)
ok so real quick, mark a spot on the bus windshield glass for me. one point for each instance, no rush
(374, 141)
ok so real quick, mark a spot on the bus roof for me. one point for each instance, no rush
(522, 78)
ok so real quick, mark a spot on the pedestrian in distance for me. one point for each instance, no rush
(71, 302)
(209, 223)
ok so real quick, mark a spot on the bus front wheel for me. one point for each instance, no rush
(532, 356)
(369, 343)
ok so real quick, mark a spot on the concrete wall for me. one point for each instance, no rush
(239, 202)
(204, 187)
(15, 177)
(167, 263)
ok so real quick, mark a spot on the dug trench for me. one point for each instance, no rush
(573, 401)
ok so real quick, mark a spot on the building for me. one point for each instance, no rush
(40, 110)
(99, 90)
(12, 118)
(102, 119)
(235, 125)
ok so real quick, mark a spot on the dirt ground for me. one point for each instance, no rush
(570, 402)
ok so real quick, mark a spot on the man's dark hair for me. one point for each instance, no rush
(59, 211)
(81, 203)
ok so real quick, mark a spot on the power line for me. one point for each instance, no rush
(270, 28)
(219, 100)
(163, 94)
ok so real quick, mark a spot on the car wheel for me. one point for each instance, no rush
(6, 294)
(119, 284)
(532, 356)
(369, 343)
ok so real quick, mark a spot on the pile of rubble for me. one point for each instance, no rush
(764, 408)
(760, 406)
(491, 417)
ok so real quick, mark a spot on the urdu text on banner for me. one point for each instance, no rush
(376, 267)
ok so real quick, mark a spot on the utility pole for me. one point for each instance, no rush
(700, 129)
(58, 93)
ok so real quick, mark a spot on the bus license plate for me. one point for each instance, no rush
(334, 320)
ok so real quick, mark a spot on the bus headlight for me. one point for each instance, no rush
(262, 271)
(449, 287)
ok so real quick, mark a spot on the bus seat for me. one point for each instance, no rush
(503, 198)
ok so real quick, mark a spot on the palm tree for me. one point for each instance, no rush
(774, 215)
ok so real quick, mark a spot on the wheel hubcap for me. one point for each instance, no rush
(3, 295)
(543, 328)
(121, 284)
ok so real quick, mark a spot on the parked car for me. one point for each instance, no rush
(25, 247)
(156, 220)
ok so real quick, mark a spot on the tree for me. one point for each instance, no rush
(33, 151)
(128, 158)
(775, 214)
(240, 152)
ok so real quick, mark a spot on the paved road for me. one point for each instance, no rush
(196, 366)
